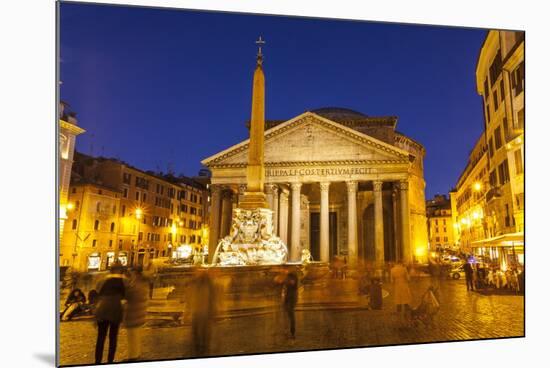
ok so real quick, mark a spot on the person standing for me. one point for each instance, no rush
(290, 300)
(202, 304)
(402, 292)
(469, 273)
(109, 312)
(136, 312)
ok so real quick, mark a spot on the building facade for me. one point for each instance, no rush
(440, 223)
(492, 225)
(68, 130)
(339, 183)
(141, 215)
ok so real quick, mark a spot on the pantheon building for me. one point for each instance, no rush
(339, 183)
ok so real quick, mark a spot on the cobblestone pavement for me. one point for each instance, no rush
(463, 316)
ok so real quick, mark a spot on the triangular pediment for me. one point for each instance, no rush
(312, 138)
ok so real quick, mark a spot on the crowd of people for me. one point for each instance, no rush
(121, 299)
(479, 276)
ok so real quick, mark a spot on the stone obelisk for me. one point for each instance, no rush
(254, 196)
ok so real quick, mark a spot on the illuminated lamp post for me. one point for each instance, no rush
(139, 214)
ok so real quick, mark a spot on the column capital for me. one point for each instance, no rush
(268, 189)
(377, 185)
(284, 195)
(274, 188)
(295, 186)
(215, 188)
(403, 185)
(242, 188)
(324, 185)
(351, 186)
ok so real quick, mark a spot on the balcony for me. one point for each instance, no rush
(493, 193)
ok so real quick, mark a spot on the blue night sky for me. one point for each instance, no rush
(159, 88)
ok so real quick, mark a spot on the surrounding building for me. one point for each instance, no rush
(119, 211)
(490, 191)
(440, 223)
(68, 130)
(336, 172)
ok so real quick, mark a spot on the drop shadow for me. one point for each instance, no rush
(46, 358)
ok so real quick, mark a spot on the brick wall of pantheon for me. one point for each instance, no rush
(354, 182)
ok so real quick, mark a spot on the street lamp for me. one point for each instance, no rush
(477, 186)
(139, 214)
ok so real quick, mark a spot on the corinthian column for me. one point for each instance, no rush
(295, 237)
(352, 222)
(275, 209)
(378, 223)
(214, 221)
(283, 216)
(405, 227)
(325, 253)
(227, 209)
(269, 196)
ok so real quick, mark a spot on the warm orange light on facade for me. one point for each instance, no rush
(139, 213)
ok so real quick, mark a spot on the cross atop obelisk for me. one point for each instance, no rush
(254, 196)
(260, 42)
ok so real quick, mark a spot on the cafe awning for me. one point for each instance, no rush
(506, 240)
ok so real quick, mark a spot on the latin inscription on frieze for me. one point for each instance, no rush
(337, 171)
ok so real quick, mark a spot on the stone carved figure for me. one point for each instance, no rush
(251, 241)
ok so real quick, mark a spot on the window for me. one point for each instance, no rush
(96, 225)
(488, 114)
(125, 194)
(486, 86)
(444, 221)
(436, 221)
(517, 79)
(436, 229)
(495, 100)
(123, 210)
(445, 239)
(495, 68)
(521, 119)
(77, 205)
(519, 161)
(100, 192)
(120, 244)
(437, 239)
(98, 207)
(503, 173)
(501, 90)
(74, 224)
(444, 230)
(94, 242)
(491, 147)
(126, 178)
(137, 196)
(73, 190)
(199, 239)
(144, 197)
(140, 236)
(493, 178)
(112, 226)
(111, 243)
(507, 218)
(498, 138)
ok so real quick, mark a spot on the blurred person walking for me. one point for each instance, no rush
(290, 290)
(202, 305)
(109, 312)
(469, 273)
(402, 292)
(136, 311)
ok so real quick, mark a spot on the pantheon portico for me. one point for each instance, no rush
(338, 181)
